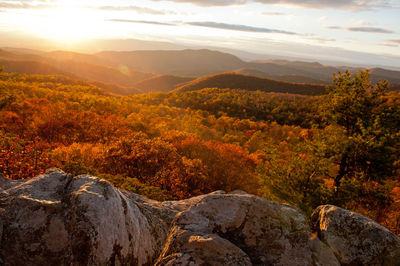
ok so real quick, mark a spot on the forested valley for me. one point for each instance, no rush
(341, 147)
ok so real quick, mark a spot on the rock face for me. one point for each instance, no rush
(355, 239)
(59, 219)
(238, 229)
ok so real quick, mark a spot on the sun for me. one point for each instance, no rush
(67, 24)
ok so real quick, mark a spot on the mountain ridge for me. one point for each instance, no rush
(162, 83)
(126, 69)
(236, 81)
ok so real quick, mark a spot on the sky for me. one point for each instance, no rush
(356, 31)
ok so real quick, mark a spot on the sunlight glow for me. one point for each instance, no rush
(67, 24)
(83, 24)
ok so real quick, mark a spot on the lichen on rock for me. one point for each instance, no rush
(60, 219)
(354, 238)
(57, 218)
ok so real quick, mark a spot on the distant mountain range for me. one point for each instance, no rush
(152, 71)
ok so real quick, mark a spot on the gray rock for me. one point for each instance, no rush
(321, 253)
(268, 233)
(185, 247)
(354, 238)
(59, 219)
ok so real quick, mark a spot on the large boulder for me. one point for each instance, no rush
(239, 229)
(56, 219)
(60, 219)
(354, 238)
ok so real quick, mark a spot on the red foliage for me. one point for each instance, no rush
(227, 166)
(20, 159)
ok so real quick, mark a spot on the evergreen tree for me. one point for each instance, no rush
(367, 153)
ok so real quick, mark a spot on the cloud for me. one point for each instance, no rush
(362, 23)
(335, 28)
(320, 39)
(350, 5)
(34, 4)
(369, 29)
(237, 27)
(392, 43)
(137, 9)
(22, 5)
(273, 13)
(208, 24)
(211, 2)
(361, 29)
(353, 5)
(141, 22)
(389, 44)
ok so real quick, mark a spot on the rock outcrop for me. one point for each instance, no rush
(60, 219)
(238, 229)
(355, 239)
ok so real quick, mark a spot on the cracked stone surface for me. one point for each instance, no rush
(269, 233)
(56, 219)
(60, 219)
(355, 239)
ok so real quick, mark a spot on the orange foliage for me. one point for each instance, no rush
(227, 166)
(20, 159)
(165, 145)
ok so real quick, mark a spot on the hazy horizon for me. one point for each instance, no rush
(348, 32)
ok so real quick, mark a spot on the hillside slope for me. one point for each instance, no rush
(33, 67)
(282, 77)
(116, 80)
(39, 68)
(208, 62)
(236, 81)
(162, 83)
(184, 62)
(281, 67)
(380, 73)
(122, 77)
(129, 68)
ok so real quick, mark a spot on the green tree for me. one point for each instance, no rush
(296, 177)
(351, 162)
(367, 152)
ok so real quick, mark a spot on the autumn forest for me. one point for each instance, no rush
(340, 146)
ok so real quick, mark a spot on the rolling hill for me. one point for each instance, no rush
(285, 78)
(17, 54)
(122, 77)
(283, 67)
(206, 62)
(117, 80)
(237, 81)
(162, 83)
(126, 69)
(183, 62)
(34, 67)
(78, 57)
(380, 73)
